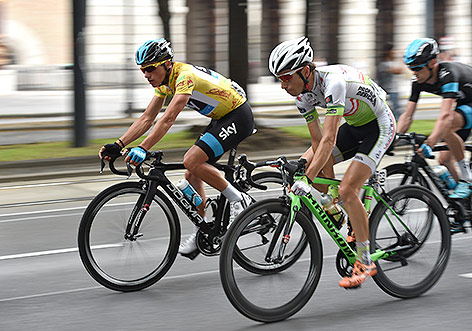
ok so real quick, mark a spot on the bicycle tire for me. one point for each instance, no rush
(403, 171)
(250, 294)
(108, 256)
(431, 252)
(267, 178)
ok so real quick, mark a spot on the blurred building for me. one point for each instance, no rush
(37, 36)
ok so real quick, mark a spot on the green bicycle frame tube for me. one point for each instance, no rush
(313, 205)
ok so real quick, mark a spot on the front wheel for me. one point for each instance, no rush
(273, 296)
(117, 260)
(418, 240)
(253, 262)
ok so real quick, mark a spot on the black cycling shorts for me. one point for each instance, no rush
(366, 143)
(227, 132)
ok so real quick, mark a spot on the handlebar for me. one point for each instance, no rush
(413, 139)
(287, 167)
(156, 155)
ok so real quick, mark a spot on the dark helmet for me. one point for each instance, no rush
(153, 51)
(420, 52)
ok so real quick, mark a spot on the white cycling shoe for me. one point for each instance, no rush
(236, 207)
(189, 246)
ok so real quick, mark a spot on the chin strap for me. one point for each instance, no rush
(306, 86)
(430, 74)
(166, 79)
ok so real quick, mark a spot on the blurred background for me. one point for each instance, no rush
(41, 43)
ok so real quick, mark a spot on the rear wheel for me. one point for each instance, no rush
(421, 241)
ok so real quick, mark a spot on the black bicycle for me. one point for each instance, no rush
(129, 234)
(458, 211)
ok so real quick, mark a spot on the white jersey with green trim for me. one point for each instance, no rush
(343, 90)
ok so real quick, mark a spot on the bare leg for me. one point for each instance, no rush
(351, 184)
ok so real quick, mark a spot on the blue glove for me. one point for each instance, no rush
(137, 154)
(427, 150)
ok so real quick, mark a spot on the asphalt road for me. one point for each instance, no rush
(45, 287)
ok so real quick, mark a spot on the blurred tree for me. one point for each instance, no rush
(164, 13)
(440, 20)
(270, 31)
(322, 28)
(384, 28)
(238, 43)
(200, 31)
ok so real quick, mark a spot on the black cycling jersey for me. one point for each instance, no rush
(454, 81)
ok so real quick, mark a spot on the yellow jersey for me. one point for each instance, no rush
(211, 94)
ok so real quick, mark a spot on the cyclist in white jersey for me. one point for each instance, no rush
(368, 131)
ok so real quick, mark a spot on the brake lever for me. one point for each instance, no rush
(102, 166)
(129, 169)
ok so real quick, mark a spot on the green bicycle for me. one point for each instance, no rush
(409, 240)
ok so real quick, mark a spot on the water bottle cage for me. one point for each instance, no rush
(337, 223)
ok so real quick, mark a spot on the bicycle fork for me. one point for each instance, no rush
(140, 210)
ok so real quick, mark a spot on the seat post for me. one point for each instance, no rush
(232, 155)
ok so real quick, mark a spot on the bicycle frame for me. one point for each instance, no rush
(156, 178)
(417, 162)
(317, 210)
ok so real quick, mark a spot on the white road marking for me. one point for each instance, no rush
(466, 275)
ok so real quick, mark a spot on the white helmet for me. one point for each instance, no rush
(290, 55)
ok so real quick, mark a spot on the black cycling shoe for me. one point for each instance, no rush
(191, 255)
(457, 227)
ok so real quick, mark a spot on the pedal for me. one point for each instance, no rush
(191, 255)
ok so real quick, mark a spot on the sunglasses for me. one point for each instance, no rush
(286, 77)
(152, 66)
(418, 68)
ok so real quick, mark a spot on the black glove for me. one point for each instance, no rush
(112, 150)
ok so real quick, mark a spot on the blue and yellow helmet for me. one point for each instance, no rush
(420, 52)
(153, 51)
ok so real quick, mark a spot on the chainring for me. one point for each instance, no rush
(206, 247)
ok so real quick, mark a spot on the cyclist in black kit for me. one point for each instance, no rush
(452, 81)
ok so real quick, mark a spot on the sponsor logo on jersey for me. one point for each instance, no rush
(331, 111)
(443, 73)
(219, 92)
(184, 80)
(329, 99)
(226, 132)
(367, 93)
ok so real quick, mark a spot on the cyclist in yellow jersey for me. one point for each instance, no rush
(205, 91)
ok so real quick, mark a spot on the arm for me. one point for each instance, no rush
(165, 122)
(326, 144)
(138, 128)
(444, 122)
(406, 118)
(144, 122)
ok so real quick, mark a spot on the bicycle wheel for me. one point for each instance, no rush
(272, 180)
(419, 260)
(273, 296)
(400, 174)
(128, 264)
(255, 263)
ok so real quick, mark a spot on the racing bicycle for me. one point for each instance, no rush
(458, 211)
(409, 239)
(129, 234)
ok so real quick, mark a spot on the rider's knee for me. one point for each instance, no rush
(347, 192)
